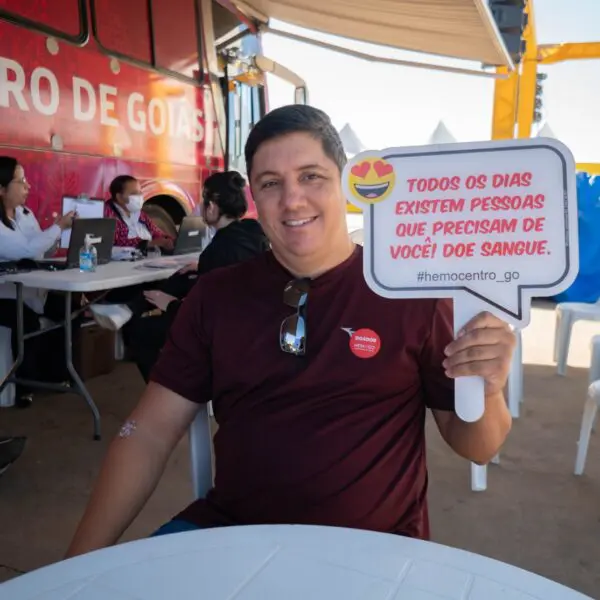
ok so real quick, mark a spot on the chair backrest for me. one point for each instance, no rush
(201, 453)
(8, 394)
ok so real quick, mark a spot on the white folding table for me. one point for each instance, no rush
(106, 277)
(283, 563)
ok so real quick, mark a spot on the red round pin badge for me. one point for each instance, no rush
(365, 343)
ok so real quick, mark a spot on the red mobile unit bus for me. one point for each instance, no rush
(90, 89)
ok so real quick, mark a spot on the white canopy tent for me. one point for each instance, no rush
(463, 29)
(546, 131)
(351, 141)
(441, 135)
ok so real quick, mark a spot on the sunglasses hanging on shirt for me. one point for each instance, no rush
(292, 336)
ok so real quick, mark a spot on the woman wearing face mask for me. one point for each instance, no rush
(133, 226)
(21, 237)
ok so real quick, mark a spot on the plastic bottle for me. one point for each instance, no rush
(88, 256)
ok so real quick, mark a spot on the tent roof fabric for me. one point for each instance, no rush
(463, 29)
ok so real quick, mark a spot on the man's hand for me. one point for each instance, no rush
(159, 299)
(483, 348)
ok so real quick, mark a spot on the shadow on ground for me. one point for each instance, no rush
(535, 514)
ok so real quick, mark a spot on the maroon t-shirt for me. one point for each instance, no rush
(335, 437)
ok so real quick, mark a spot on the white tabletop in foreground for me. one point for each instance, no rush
(115, 274)
(282, 563)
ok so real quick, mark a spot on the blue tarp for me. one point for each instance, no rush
(586, 288)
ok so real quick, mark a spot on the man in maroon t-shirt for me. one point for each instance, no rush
(319, 386)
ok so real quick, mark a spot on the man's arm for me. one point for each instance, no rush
(133, 466)
(180, 382)
(478, 442)
(484, 348)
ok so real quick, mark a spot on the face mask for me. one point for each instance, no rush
(135, 203)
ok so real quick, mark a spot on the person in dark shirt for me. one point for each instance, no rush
(320, 387)
(235, 240)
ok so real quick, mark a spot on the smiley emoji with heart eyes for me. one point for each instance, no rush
(371, 180)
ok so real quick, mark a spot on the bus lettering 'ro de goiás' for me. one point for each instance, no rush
(165, 90)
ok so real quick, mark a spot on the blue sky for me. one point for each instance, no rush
(395, 106)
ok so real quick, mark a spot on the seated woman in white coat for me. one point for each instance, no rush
(22, 237)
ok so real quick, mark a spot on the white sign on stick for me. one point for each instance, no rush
(490, 224)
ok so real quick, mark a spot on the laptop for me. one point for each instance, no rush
(191, 236)
(101, 229)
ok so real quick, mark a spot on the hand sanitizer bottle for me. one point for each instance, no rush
(88, 256)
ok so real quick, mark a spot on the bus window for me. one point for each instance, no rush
(258, 104)
(175, 25)
(225, 24)
(244, 111)
(121, 28)
(43, 13)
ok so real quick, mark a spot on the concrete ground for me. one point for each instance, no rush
(535, 514)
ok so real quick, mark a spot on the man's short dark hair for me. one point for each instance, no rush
(296, 118)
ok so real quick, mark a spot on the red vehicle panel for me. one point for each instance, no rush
(62, 16)
(77, 116)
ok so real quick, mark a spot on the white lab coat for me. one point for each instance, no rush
(26, 240)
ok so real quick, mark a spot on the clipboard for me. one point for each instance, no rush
(86, 208)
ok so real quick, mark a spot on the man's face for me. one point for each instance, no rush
(298, 195)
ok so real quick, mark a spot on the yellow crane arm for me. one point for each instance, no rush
(591, 168)
(505, 105)
(528, 78)
(549, 54)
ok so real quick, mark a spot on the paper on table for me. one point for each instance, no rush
(85, 208)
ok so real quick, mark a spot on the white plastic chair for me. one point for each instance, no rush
(119, 346)
(7, 397)
(594, 372)
(201, 453)
(567, 313)
(515, 377)
(590, 410)
(515, 398)
(358, 236)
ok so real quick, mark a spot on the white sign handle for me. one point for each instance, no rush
(469, 392)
